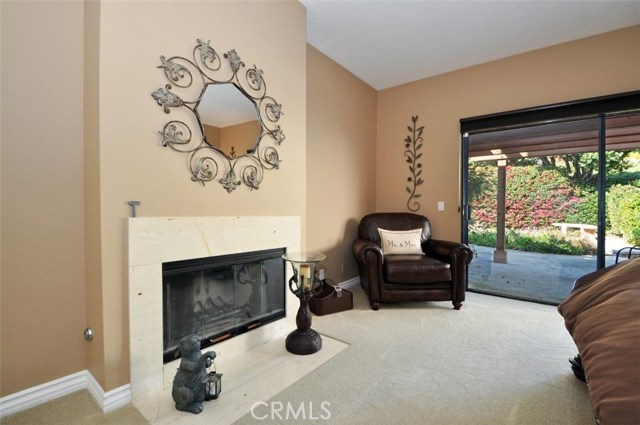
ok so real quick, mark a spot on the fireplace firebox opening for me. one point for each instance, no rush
(220, 297)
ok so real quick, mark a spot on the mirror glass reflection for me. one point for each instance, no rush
(229, 119)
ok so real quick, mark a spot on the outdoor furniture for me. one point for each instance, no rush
(437, 272)
(584, 228)
(631, 252)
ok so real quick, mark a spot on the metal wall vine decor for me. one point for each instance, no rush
(413, 144)
(207, 162)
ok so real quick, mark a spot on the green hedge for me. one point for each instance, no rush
(627, 214)
(586, 209)
(547, 242)
(626, 178)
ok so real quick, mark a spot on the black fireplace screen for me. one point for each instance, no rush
(220, 297)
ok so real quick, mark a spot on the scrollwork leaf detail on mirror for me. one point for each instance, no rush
(235, 139)
(208, 56)
(175, 72)
(234, 60)
(166, 98)
(171, 135)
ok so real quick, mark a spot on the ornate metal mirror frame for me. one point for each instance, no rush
(205, 161)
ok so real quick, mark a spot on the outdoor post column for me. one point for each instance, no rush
(500, 255)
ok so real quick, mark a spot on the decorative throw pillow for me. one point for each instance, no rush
(400, 241)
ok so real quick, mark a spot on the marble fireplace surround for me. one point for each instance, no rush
(153, 241)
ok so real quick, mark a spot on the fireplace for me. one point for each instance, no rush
(250, 360)
(156, 241)
(221, 297)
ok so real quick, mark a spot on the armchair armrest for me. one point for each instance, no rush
(448, 251)
(369, 258)
(363, 248)
(459, 256)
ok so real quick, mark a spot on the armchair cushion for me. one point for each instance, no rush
(418, 269)
(394, 242)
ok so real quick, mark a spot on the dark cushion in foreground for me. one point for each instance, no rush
(602, 314)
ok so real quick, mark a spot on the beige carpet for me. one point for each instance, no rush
(74, 409)
(496, 361)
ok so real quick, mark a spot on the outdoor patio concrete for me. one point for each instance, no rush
(528, 275)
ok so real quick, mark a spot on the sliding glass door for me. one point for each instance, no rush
(622, 184)
(531, 232)
(546, 201)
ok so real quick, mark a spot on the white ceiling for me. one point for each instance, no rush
(391, 42)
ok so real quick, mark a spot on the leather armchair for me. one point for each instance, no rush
(438, 275)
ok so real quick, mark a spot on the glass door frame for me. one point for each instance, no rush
(597, 107)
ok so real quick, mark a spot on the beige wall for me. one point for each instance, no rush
(1, 134)
(42, 314)
(133, 163)
(341, 158)
(92, 189)
(595, 66)
(54, 210)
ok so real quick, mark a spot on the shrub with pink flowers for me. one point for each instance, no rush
(535, 197)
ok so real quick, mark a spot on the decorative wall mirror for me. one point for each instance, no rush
(229, 129)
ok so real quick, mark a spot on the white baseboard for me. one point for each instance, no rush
(83, 380)
(110, 400)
